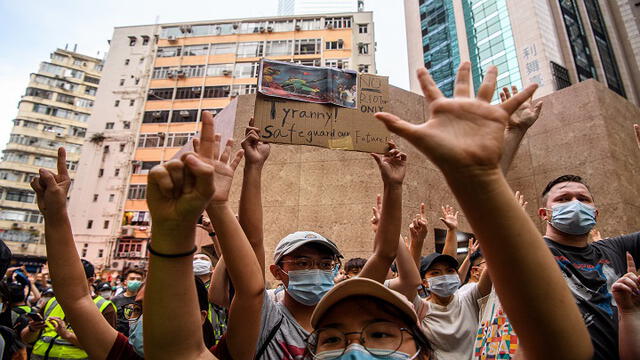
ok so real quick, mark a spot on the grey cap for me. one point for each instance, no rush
(300, 238)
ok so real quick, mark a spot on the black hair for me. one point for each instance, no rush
(394, 267)
(89, 270)
(16, 293)
(12, 342)
(475, 256)
(355, 263)
(133, 271)
(203, 303)
(562, 179)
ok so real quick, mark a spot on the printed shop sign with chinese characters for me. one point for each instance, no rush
(344, 121)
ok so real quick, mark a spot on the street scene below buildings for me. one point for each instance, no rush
(339, 179)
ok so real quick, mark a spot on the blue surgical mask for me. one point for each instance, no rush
(309, 286)
(444, 285)
(135, 336)
(358, 352)
(574, 218)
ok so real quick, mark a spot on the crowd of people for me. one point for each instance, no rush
(517, 294)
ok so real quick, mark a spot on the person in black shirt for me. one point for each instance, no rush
(133, 279)
(590, 269)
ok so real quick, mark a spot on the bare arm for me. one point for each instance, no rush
(484, 284)
(418, 231)
(464, 138)
(392, 168)
(519, 122)
(250, 209)
(626, 292)
(72, 292)
(450, 220)
(219, 288)
(463, 270)
(408, 278)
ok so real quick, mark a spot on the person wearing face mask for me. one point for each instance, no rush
(105, 290)
(449, 316)
(133, 279)
(590, 269)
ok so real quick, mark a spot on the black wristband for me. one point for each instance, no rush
(212, 234)
(153, 252)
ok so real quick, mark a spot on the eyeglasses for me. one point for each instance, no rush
(308, 264)
(132, 311)
(379, 338)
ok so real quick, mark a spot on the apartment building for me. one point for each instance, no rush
(553, 43)
(53, 112)
(157, 81)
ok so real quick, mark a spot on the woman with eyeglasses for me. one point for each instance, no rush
(362, 319)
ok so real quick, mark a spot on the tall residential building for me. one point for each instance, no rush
(553, 43)
(157, 80)
(301, 7)
(53, 112)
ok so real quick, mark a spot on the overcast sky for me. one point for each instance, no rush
(32, 29)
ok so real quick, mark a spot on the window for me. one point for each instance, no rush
(121, 82)
(363, 49)
(52, 69)
(95, 197)
(169, 51)
(91, 79)
(132, 41)
(243, 89)
(137, 81)
(137, 192)
(122, 146)
(84, 253)
(184, 116)
(151, 117)
(363, 68)
(160, 94)
(226, 48)
(250, 49)
(179, 139)
(116, 173)
(65, 99)
(151, 140)
(99, 67)
(16, 157)
(145, 40)
(308, 24)
(105, 150)
(216, 91)
(251, 27)
(219, 69)
(101, 251)
(43, 94)
(106, 224)
(161, 72)
(337, 63)
(363, 28)
(188, 92)
(126, 62)
(86, 103)
(111, 197)
(144, 167)
(193, 70)
(309, 62)
(108, 125)
(280, 26)
(10, 175)
(44, 161)
(132, 102)
(246, 70)
(58, 58)
(195, 50)
(89, 225)
(90, 90)
(335, 45)
(100, 172)
(24, 196)
(307, 46)
(337, 23)
(279, 48)
(117, 103)
(77, 131)
(126, 124)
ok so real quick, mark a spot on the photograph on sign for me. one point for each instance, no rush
(308, 83)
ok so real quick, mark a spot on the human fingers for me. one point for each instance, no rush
(176, 172)
(226, 154)
(488, 87)
(397, 126)
(196, 145)
(160, 178)
(429, 88)
(462, 87)
(631, 265)
(207, 141)
(203, 174)
(62, 162)
(236, 159)
(511, 105)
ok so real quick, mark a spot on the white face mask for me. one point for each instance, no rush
(106, 294)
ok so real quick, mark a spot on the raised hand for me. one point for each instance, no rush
(520, 199)
(526, 115)
(63, 331)
(418, 228)
(473, 246)
(461, 134)
(256, 152)
(626, 291)
(377, 210)
(393, 165)
(449, 217)
(52, 189)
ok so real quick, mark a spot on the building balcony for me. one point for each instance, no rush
(32, 149)
(48, 135)
(15, 184)
(24, 249)
(4, 203)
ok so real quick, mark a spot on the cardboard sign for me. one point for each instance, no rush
(301, 123)
(224, 123)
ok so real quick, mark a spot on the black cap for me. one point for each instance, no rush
(5, 258)
(88, 269)
(104, 286)
(427, 261)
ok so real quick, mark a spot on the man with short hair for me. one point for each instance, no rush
(133, 279)
(354, 266)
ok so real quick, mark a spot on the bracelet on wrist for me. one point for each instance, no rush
(155, 253)
(212, 234)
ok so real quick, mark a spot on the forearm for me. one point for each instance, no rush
(463, 270)
(386, 238)
(29, 336)
(629, 335)
(416, 251)
(240, 261)
(408, 275)
(512, 139)
(512, 245)
(250, 210)
(170, 286)
(451, 243)
(219, 288)
(35, 292)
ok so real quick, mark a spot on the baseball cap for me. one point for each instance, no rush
(427, 261)
(299, 238)
(104, 286)
(359, 286)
